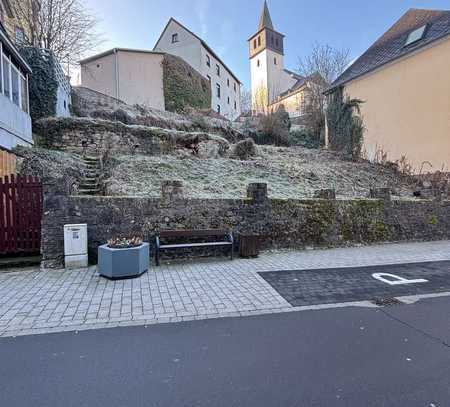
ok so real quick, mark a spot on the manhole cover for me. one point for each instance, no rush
(386, 302)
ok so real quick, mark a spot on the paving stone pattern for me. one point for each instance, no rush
(40, 301)
(311, 287)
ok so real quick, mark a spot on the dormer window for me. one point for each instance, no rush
(174, 38)
(415, 35)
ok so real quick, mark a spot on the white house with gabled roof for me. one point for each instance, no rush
(178, 40)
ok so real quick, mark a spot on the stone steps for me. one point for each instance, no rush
(90, 185)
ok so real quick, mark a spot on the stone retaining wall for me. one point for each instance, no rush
(94, 136)
(286, 223)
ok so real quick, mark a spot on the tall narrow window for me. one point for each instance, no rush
(234, 86)
(235, 105)
(15, 86)
(208, 60)
(209, 78)
(6, 81)
(228, 82)
(1, 70)
(174, 38)
(218, 109)
(259, 41)
(20, 35)
(24, 93)
(218, 69)
(258, 63)
(277, 43)
(218, 90)
(228, 100)
(275, 61)
(254, 43)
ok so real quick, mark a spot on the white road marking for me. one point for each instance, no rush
(396, 280)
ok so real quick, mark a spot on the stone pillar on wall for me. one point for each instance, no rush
(171, 191)
(54, 216)
(380, 193)
(325, 194)
(257, 191)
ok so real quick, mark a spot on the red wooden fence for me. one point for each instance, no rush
(20, 214)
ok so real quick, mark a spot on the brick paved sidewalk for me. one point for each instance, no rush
(34, 301)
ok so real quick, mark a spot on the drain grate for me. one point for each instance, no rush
(386, 302)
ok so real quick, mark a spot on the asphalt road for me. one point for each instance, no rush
(395, 356)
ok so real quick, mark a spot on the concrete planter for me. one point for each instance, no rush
(123, 263)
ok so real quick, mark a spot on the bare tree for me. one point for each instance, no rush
(246, 102)
(321, 67)
(325, 60)
(65, 27)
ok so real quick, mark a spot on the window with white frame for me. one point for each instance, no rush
(13, 82)
(24, 93)
(20, 35)
(15, 86)
(1, 70)
(6, 76)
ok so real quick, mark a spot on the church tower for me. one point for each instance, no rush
(266, 63)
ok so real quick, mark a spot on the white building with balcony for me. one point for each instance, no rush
(15, 120)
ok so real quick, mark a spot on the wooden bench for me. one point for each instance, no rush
(226, 240)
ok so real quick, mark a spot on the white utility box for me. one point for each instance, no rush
(75, 246)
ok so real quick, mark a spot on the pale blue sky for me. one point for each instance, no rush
(227, 25)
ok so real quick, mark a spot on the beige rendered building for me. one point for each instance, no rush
(404, 79)
(133, 76)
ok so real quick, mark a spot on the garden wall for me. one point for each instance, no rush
(93, 136)
(286, 223)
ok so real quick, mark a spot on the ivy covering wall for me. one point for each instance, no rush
(345, 125)
(43, 85)
(184, 87)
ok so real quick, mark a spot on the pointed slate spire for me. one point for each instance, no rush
(265, 21)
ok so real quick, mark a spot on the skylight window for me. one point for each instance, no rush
(415, 35)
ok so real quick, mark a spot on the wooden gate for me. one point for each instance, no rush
(20, 215)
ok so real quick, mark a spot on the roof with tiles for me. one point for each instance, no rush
(391, 45)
